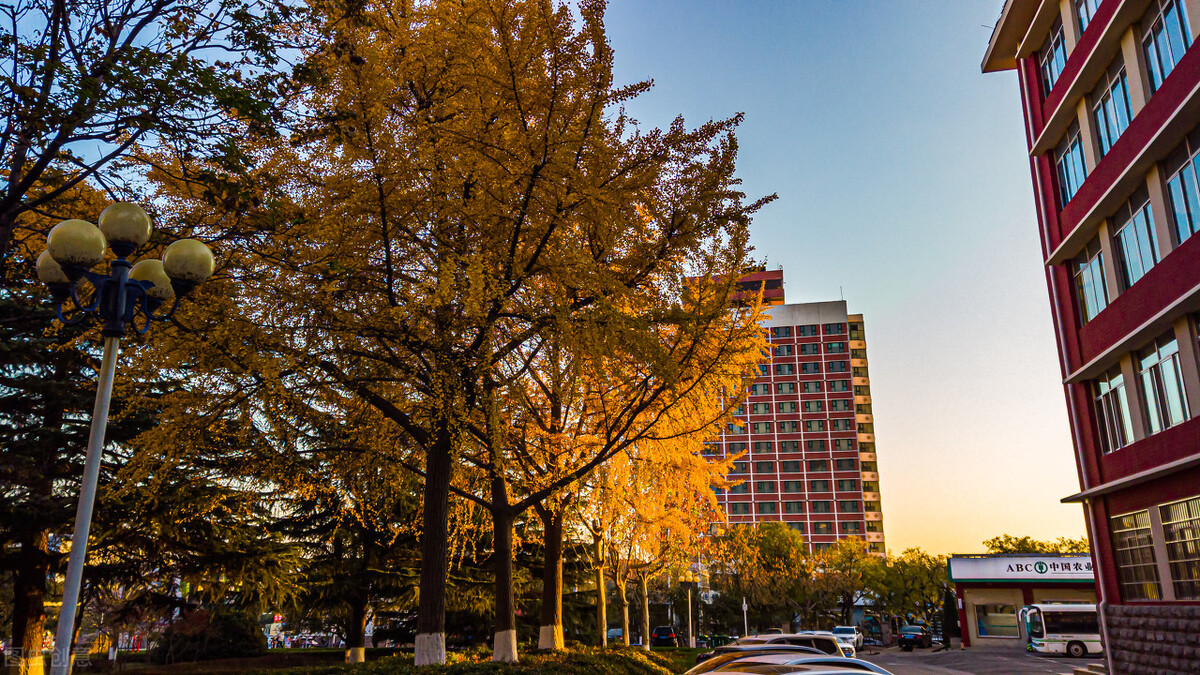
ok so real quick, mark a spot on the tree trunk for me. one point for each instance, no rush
(601, 601)
(29, 609)
(504, 643)
(644, 585)
(550, 636)
(435, 558)
(356, 630)
(623, 602)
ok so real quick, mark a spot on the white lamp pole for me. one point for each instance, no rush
(118, 298)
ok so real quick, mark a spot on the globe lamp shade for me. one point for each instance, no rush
(49, 271)
(76, 244)
(152, 270)
(124, 223)
(188, 262)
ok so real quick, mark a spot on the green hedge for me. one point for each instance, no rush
(586, 661)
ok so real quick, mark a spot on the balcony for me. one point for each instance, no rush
(873, 515)
(861, 381)
(858, 344)
(865, 418)
(873, 536)
(871, 476)
(862, 400)
(867, 456)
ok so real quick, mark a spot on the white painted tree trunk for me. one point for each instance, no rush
(356, 655)
(430, 649)
(504, 646)
(551, 637)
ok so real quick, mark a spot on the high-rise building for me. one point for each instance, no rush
(1110, 91)
(805, 433)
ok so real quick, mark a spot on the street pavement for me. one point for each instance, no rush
(972, 661)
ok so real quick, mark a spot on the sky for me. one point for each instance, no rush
(904, 187)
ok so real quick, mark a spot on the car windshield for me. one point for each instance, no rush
(912, 630)
(750, 641)
(843, 630)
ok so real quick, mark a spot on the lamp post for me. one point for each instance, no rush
(126, 294)
(689, 580)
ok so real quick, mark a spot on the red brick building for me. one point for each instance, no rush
(1111, 96)
(806, 432)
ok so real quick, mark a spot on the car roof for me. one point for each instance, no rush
(780, 663)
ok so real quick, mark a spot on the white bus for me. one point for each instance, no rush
(1073, 630)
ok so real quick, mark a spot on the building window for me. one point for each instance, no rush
(764, 467)
(1183, 171)
(1137, 244)
(1110, 106)
(1133, 548)
(761, 427)
(740, 489)
(843, 444)
(739, 508)
(1068, 160)
(843, 424)
(740, 467)
(768, 507)
(847, 485)
(818, 446)
(793, 507)
(764, 486)
(1112, 411)
(839, 366)
(835, 347)
(789, 446)
(815, 465)
(821, 507)
(818, 486)
(785, 388)
(1165, 40)
(783, 350)
(840, 404)
(810, 348)
(813, 406)
(785, 368)
(1181, 529)
(1162, 384)
(1089, 281)
(843, 465)
(851, 528)
(812, 387)
(799, 527)
(762, 446)
(822, 528)
(808, 331)
(870, 466)
(873, 507)
(1085, 10)
(814, 425)
(839, 385)
(781, 331)
(790, 466)
(793, 486)
(874, 526)
(810, 368)
(787, 407)
(870, 486)
(737, 447)
(835, 328)
(788, 427)
(760, 390)
(849, 506)
(760, 408)
(1052, 57)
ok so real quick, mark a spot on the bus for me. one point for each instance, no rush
(1073, 630)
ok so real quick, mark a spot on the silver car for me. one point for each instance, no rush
(770, 662)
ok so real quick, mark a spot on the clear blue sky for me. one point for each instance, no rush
(904, 184)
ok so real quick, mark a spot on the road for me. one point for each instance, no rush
(973, 661)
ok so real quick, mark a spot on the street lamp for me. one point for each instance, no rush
(690, 580)
(129, 294)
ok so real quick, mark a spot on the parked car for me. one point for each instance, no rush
(914, 636)
(813, 642)
(665, 636)
(777, 662)
(614, 636)
(854, 632)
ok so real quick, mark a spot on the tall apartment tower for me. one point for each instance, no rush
(1110, 91)
(806, 430)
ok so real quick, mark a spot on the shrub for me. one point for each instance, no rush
(202, 635)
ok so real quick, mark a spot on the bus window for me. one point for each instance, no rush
(1072, 622)
(1034, 622)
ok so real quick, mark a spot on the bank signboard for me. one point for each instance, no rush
(1035, 568)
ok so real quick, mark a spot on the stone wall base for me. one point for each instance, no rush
(1161, 639)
